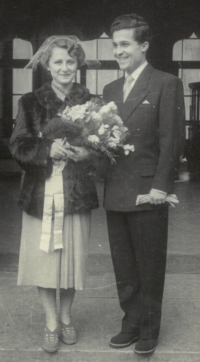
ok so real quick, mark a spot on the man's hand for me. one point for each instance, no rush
(156, 197)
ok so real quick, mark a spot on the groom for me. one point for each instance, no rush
(151, 104)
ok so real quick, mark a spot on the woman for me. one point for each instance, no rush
(56, 185)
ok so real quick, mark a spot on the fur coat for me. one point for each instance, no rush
(36, 109)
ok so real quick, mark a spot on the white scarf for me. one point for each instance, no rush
(53, 201)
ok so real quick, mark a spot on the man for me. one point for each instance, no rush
(151, 105)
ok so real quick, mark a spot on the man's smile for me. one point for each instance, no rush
(121, 59)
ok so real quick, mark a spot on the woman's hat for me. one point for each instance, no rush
(36, 58)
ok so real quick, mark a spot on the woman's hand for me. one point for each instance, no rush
(79, 153)
(58, 151)
(62, 150)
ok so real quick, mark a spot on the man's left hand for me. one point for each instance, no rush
(156, 197)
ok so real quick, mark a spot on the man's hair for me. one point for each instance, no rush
(142, 31)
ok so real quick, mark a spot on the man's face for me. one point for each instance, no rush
(127, 51)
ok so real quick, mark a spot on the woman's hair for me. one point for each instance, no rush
(70, 43)
(142, 31)
(74, 49)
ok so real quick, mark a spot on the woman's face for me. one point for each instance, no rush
(62, 66)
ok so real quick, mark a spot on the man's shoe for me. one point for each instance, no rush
(50, 340)
(124, 339)
(144, 346)
(68, 333)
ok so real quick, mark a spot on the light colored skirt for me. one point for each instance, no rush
(66, 267)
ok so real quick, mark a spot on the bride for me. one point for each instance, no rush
(57, 193)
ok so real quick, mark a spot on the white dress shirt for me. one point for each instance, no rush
(136, 73)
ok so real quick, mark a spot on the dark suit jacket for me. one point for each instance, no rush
(154, 115)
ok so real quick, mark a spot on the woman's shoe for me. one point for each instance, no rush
(50, 340)
(68, 333)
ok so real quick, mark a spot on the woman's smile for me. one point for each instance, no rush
(65, 74)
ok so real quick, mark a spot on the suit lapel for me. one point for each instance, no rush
(137, 93)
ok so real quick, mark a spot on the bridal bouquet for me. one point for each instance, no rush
(94, 124)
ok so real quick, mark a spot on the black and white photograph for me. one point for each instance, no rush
(99, 180)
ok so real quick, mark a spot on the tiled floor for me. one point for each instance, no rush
(96, 311)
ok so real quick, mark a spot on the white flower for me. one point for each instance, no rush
(115, 128)
(104, 110)
(112, 106)
(116, 132)
(113, 142)
(76, 112)
(113, 139)
(128, 148)
(87, 104)
(102, 129)
(93, 138)
(118, 119)
(96, 116)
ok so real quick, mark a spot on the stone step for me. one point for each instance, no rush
(94, 356)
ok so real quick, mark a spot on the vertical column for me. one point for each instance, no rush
(193, 104)
(1, 91)
(7, 90)
(198, 100)
(83, 75)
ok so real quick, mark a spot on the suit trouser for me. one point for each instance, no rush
(138, 242)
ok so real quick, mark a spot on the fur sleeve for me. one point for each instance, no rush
(25, 145)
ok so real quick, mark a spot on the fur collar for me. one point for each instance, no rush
(48, 99)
